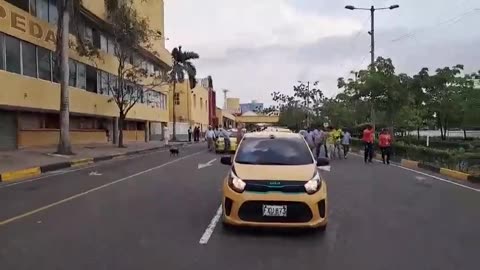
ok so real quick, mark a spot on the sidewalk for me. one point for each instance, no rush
(41, 156)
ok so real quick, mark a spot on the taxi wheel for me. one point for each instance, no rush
(322, 228)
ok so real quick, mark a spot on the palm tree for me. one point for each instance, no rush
(68, 11)
(181, 64)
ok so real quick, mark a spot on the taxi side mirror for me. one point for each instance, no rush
(323, 164)
(226, 160)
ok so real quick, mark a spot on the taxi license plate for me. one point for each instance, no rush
(274, 210)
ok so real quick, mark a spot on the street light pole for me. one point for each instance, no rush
(372, 35)
(372, 10)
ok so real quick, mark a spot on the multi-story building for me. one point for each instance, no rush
(30, 93)
(253, 106)
(232, 105)
(191, 109)
(212, 101)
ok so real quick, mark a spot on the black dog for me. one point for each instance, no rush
(174, 151)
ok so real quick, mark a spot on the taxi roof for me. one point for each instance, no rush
(277, 134)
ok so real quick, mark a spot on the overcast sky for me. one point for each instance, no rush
(254, 47)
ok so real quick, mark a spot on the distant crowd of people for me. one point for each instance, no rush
(336, 142)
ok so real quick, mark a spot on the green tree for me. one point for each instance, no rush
(182, 63)
(131, 35)
(442, 96)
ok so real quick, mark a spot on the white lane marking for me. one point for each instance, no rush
(65, 171)
(429, 175)
(43, 208)
(94, 173)
(211, 227)
(208, 164)
(420, 178)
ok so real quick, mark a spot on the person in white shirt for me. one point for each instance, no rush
(209, 137)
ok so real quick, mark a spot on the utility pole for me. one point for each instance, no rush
(372, 10)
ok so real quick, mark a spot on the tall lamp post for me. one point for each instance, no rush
(372, 10)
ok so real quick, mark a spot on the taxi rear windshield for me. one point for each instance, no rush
(274, 151)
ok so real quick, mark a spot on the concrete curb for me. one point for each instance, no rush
(443, 171)
(24, 174)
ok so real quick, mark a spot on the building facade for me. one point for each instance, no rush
(233, 105)
(30, 95)
(191, 109)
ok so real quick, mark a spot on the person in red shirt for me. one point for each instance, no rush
(367, 139)
(385, 143)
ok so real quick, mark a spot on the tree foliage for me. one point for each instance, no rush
(182, 64)
(132, 37)
(444, 99)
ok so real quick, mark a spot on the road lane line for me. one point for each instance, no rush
(429, 175)
(81, 168)
(7, 221)
(211, 227)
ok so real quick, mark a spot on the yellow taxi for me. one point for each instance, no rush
(274, 181)
(220, 142)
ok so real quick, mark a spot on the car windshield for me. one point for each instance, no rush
(278, 151)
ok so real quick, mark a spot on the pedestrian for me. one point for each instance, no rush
(330, 142)
(216, 133)
(209, 137)
(240, 133)
(309, 139)
(317, 139)
(196, 132)
(190, 134)
(385, 143)
(222, 133)
(346, 140)
(166, 135)
(367, 139)
(337, 136)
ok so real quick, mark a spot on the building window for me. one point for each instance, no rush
(103, 43)
(23, 4)
(113, 84)
(206, 105)
(72, 77)
(194, 100)
(201, 103)
(12, 48)
(44, 64)
(81, 76)
(42, 9)
(176, 98)
(91, 79)
(52, 121)
(2, 51)
(111, 46)
(33, 7)
(104, 83)
(52, 11)
(29, 59)
(55, 70)
(88, 33)
(96, 39)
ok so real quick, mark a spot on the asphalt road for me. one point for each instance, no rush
(150, 211)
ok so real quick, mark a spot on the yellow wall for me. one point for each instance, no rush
(233, 105)
(34, 93)
(188, 110)
(257, 119)
(29, 138)
(199, 112)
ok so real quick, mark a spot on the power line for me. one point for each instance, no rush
(450, 21)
